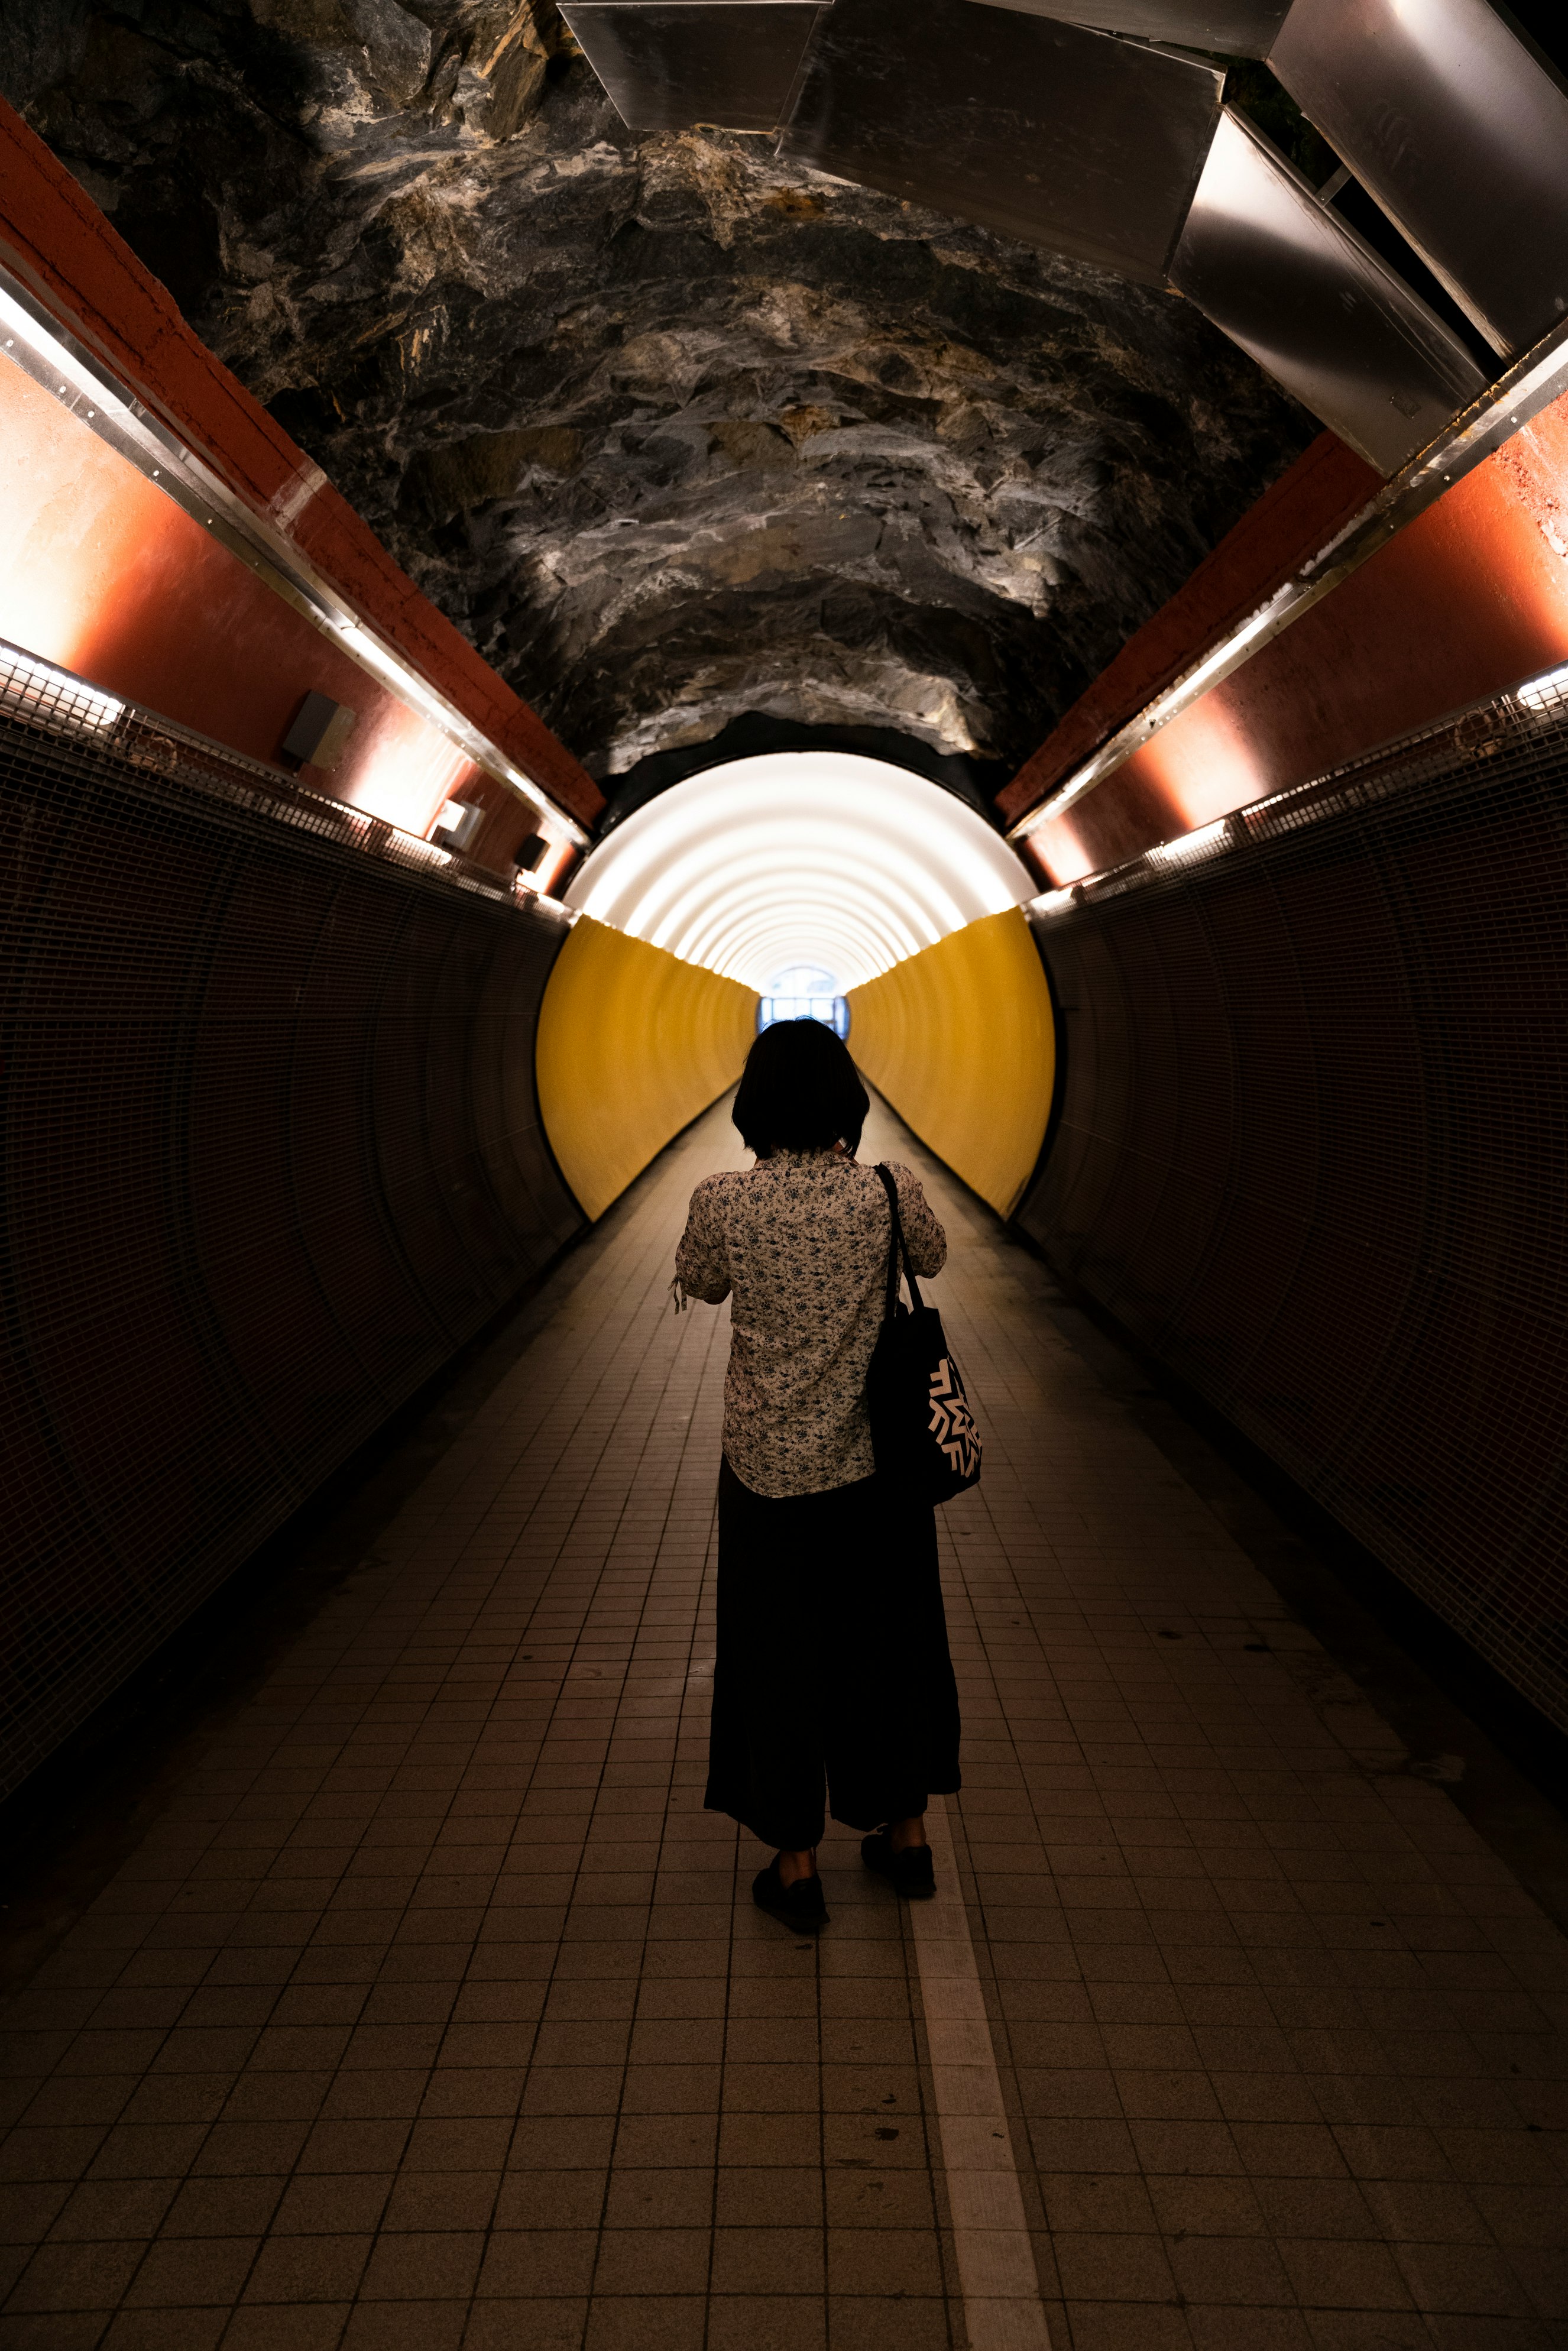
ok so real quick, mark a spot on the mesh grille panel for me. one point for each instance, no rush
(1314, 1151)
(271, 1152)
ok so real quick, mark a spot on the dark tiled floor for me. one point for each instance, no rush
(429, 2014)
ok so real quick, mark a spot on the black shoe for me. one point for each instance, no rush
(912, 1871)
(799, 1905)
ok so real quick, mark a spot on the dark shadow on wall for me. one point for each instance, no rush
(1465, 1727)
(273, 1155)
(73, 1822)
(1313, 1148)
(71, 1826)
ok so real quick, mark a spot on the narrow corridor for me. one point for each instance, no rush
(435, 2010)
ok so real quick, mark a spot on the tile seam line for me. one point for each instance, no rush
(1003, 2309)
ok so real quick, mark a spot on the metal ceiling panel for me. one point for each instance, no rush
(1068, 138)
(1241, 28)
(668, 64)
(1294, 285)
(1462, 137)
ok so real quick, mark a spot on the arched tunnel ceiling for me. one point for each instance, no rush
(803, 857)
(674, 430)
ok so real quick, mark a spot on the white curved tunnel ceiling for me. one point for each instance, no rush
(797, 857)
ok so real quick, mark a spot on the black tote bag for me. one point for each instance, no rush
(922, 1430)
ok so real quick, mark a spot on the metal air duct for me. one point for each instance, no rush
(1289, 281)
(669, 65)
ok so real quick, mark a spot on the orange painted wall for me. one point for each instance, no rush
(102, 573)
(1466, 602)
(1302, 511)
(55, 239)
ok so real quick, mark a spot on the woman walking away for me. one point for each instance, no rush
(833, 1647)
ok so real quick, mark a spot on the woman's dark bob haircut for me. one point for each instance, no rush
(799, 1092)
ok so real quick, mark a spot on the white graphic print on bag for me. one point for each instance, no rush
(952, 1422)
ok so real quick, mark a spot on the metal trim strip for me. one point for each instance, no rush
(1533, 383)
(92, 394)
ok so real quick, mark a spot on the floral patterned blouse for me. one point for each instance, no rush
(801, 1240)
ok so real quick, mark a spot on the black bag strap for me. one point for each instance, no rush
(897, 1246)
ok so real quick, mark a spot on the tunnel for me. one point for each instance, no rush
(541, 542)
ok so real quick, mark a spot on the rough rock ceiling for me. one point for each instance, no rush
(674, 431)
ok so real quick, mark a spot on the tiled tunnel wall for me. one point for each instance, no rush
(1313, 1151)
(271, 1153)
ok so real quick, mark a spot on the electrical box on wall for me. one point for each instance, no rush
(458, 822)
(319, 732)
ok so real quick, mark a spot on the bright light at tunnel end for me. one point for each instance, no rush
(819, 858)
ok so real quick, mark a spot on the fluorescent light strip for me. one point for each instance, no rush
(1194, 844)
(1520, 393)
(1545, 692)
(54, 697)
(54, 694)
(54, 359)
(1545, 695)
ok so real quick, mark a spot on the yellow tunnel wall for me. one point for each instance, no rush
(632, 1044)
(961, 1042)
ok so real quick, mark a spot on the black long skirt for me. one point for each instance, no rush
(833, 1662)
